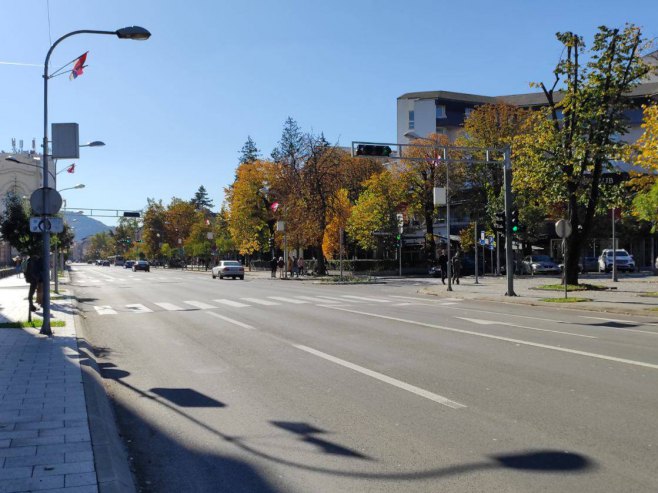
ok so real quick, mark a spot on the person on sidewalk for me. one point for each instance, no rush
(273, 265)
(300, 266)
(281, 265)
(456, 266)
(294, 269)
(443, 264)
(33, 276)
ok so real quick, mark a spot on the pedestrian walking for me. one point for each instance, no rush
(443, 264)
(281, 265)
(456, 266)
(17, 266)
(34, 276)
(273, 265)
(295, 270)
(300, 266)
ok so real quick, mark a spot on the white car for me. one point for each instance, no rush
(228, 268)
(623, 261)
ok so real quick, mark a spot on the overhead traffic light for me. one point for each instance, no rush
(499, 223)
(373, 150)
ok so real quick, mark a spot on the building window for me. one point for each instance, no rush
(467, 112)
(412, 123)
(440, 111)
(441, 130)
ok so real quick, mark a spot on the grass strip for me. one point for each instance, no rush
(564, 300)
(34, 324)
(572, 287)
(652, 294)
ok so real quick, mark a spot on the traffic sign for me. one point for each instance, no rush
(47, 224)
(563, 228)
(46, 201)
(483, 242)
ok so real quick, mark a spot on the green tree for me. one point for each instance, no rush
(153, 229)
(580, 135)
(201, 200)
(15, 226)
(249, 151)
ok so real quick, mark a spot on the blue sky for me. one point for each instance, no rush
(175, 110)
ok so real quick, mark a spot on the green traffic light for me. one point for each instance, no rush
(515, 228)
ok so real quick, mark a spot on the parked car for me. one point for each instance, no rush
(590, 264)
(228, 268)
(105, 263)
(539, 264)
(128, 264)
(580, 266)
(141, 265)
(623, 260)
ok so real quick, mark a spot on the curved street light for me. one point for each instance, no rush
(132, 32)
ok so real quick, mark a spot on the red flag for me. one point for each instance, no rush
(274, 206)
(79, 65)
(71, 169)
(207, 222)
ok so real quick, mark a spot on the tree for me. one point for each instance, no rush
(579, 134)
(375, 210)
(179, 217)
(249, 151)
(645, 203)
(201, 200)
(153, 229)
(15, 226)
(290, 148)
(337, 221)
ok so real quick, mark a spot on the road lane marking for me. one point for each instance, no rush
(232, 303)
(318, 300)
(259, 301)
(170, 307)
(334, 298)
(200, 305)
(138, 308)
(230, 320)
(384, 378)
(288, 300)
(104, 310)
(376, 300)
(494, 322)
(500, 338)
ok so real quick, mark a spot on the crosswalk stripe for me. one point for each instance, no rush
(235, 304)
(260, 302)
(376, 300)
(200, 305)
(340, 299)
(168, 306)
(287, 300)
(104, 310)
(138, 308)
(316, 299)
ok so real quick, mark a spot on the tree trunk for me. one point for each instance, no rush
(574, 248)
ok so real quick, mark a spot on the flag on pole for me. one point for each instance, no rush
(274, 206)
(79, 65)
(71, 169)
(207, 222)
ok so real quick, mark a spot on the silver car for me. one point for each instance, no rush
(228, 268)
(539, 264)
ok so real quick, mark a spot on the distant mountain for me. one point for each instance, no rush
(84, 226)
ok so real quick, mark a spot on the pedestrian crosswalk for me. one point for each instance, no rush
(248, 302)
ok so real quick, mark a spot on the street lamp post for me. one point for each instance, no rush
(133, 32)
(413, 135)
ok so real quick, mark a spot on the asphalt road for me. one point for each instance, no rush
(283, 386)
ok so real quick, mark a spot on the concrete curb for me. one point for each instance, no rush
(110, 455)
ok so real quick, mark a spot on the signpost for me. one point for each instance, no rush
(563, 230)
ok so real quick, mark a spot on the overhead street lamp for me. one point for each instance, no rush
(12, 159)
(411, 135)
(132, 32)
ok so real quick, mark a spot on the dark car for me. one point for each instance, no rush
(590, 264)
(141, 265)
(128, 264)
(105, 263)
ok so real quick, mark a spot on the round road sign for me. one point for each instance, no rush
(45, 201)
(563, 228)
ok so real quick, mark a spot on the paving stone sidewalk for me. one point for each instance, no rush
(45, 442)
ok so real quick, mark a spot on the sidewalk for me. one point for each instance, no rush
(623, 297)
(47, 398)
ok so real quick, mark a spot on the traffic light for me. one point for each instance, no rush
(499, 223)
(131, 214)
(514, 219)
(398, 240)
(271, 242)
(373, 150)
